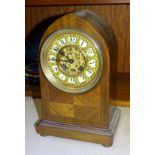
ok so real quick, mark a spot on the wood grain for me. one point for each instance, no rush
(73, 2)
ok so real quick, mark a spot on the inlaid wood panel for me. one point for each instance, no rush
(71, 108)
(117, 16)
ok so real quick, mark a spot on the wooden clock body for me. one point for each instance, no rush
(84, 116)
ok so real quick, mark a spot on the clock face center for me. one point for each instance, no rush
(71, 60)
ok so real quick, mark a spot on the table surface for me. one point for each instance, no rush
(49, 145)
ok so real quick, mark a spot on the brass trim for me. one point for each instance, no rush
(53, 80)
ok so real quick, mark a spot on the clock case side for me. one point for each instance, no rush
(85, 21)
(111, 41)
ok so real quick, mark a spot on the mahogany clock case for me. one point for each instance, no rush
(86, 116)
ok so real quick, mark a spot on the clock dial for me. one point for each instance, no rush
(71, 61)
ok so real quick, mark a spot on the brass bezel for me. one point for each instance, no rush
(53, 80)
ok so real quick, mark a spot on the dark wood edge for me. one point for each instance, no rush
(73, 2)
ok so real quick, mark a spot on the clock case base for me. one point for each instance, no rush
(102, 136)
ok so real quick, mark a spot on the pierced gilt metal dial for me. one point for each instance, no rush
(71, 61)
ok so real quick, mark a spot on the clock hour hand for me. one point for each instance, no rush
(69, 60)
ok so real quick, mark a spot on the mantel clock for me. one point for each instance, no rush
(75, 74)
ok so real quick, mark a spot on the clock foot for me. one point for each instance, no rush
(104, 145)
(43, 135)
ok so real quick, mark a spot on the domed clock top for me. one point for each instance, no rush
(71, 60)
